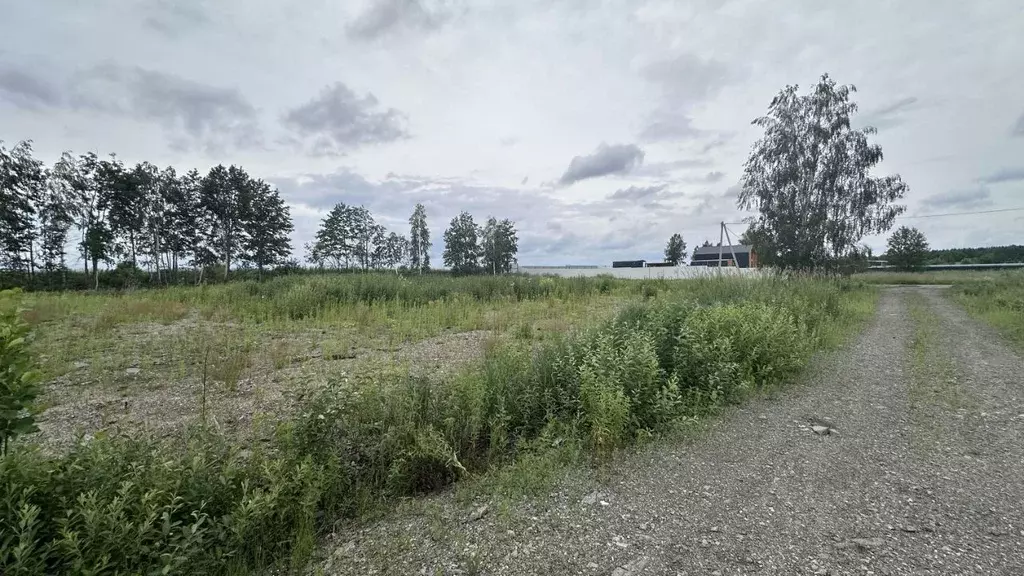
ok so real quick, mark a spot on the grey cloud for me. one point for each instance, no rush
(665, 125)
(684, 81)
(384, 17)
(338, 120)
(195, 114)
(712, 177)
(637, 193)
(1004, 175)
(662, 169)
(687, 79)
(174, 18)
(889, 115)
(958, 200)
(613, 159)
(26, 90)
(721, 140)
(1018, 129)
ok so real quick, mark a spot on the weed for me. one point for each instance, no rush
(997, 300)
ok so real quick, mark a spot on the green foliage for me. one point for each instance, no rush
(499, 244)
(130, 214)
(906, 248)
(461, 245)
(419, 240)
(986, 255)
(675, 250)
(18, 378)
(998, 299)
(809, 179)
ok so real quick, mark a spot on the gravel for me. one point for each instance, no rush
(759, 493)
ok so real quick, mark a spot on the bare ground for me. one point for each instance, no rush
(163, 399)
(922, 474)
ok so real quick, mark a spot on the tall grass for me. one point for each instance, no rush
(128, 504)
(997, 300)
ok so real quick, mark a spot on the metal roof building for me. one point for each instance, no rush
(746, 257)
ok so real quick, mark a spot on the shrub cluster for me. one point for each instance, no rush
(132, 505)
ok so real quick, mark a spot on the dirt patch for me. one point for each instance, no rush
(263, 384)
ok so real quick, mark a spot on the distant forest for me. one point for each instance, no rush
(989, 255)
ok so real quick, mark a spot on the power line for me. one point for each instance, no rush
(960, 213)
(934, 215)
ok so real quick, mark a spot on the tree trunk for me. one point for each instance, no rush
(156, 255)
(227, 251)
(96, 271)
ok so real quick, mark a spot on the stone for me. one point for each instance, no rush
(478, 513)
(821, 430)
(868, 543)
(80, 365)
(133, 371)
(591, 499)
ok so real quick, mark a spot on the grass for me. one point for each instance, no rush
(664, 355)
(941, 277)
(940, 406)
(997, 299)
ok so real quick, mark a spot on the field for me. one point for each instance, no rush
(229, 427)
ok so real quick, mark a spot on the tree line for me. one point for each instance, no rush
(160, 224)
(139, 216)
(349, 237)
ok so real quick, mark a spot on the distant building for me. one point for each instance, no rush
(629, 264)
(659, 264)
(746, 257)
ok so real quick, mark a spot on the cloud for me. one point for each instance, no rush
(889, 115)
(687, 79)
(684, 81)
(1004, 175)
(958, 200)
(195, 114)
(26, 90)
(635, 193)
(1018, 129)
(385, 17)
(338, 120)
(173, 19)
(614, 159)
(662, 169)
(665, 126)
(712, 177)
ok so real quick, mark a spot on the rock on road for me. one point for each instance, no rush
(873, 465)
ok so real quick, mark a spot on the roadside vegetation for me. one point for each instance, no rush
(997, 299)
(209, 502)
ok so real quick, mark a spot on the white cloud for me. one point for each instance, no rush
(476, 101)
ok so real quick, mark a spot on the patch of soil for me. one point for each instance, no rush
(83, 404)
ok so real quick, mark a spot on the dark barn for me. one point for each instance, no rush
(746, 257)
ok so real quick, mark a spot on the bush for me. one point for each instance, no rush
(18, 389)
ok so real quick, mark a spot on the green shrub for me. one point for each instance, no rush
(18, 378)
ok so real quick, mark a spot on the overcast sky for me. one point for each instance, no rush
(599, 131)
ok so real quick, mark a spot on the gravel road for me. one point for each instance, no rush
(922, 472)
